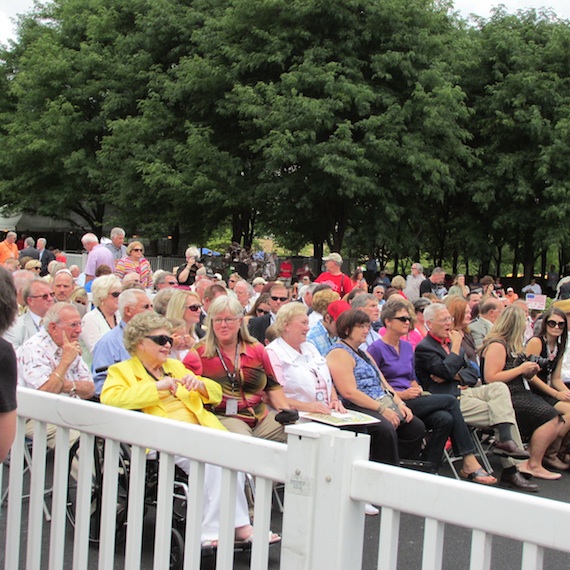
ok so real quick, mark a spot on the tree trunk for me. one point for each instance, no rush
(528, 256)
(499, 260)
(543, 263)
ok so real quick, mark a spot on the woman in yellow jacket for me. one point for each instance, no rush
(158, 385)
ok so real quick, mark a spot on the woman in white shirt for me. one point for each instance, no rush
(298, 366)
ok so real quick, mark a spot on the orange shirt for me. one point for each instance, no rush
(7, 251)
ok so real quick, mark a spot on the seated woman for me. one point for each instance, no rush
(459, 288)
(235, 360)
(501, 361)
(461, 313)
(362, 388)
(298, 365)
(439, 412)
(550, 344)
(414, 335)
(158, 385)
(260, 307)
(104, 317)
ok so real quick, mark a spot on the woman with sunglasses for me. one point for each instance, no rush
(550, 344)
(439, 412)
(236, 361)
(104, 317)
(135, 262)
(185, 305)
(260, 308)
(158, 385)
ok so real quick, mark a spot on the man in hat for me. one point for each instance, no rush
(258, 283)
(339, 282)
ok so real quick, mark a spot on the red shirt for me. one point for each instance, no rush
(340, 283)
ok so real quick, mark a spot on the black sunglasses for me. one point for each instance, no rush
(160, 339)
(194, 308)
(553, 324)
(115, 294)
(282, 299)
(136, 249)
(262, 312)
(403, 319)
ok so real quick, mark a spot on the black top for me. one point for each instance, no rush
(8, 377)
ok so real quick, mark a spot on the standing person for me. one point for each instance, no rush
(532, 287)
(44, 255)
(30, 249)
(135, 262)
(8, 366)
(186, 273)
(8, 248)
(117, 246)
(552, 278)
(339, 282)
(434, 283)
(413, 282)
(97, 255)
(501, 363)
(459, 288)
(286, 272)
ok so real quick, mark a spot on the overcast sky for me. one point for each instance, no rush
(9, 8)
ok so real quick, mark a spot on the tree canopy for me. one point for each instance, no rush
(381, 127)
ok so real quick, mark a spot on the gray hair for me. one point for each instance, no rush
(129, 298)
(30, 241)
(43, 240)
(431, 311)
(89, 238)
(192, 252)
(249, 286)
(160, 276)
(22, 277)
(304, 289)
(9, 304)
(29, 286)
(102, 286)
(115, 232)
(11, 234)
(418, 266)
(360, 301)
(53, 314)
(162, 299)
(140, 326)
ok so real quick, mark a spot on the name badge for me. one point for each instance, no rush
(231, 407)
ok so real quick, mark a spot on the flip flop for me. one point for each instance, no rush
(273, 539)
(478, 476)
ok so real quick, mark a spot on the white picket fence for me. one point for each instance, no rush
(327, 481)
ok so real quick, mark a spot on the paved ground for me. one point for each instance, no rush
(506, 553)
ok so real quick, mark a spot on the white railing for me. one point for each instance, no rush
(327, 480)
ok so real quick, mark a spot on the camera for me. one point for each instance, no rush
(544, 363)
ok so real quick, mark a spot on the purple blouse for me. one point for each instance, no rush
(398, 369)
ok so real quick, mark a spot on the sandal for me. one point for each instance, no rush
(273, 539)
(478, 476)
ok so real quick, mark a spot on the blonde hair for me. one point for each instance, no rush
(286, 314)
(219, 305)
(323, 299)
(132, 245)
(398, 282)
(509, 330)
(177, 304)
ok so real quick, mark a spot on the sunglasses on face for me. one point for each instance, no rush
(403, 319)
(160, 339)
(262, 312)
(136, 249)
(44, 297)
(115, 294)
(194, 308)
(282, 299)
(172, 283)
(554, 324)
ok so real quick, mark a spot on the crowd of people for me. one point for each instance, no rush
(425, 364)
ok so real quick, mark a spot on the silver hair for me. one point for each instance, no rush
(192, 251)
(53, 314)
(89, 238)
(431, 311)
(30, 241)
(117, 232)
(362, 300)
(102, 286)
(129, 298)
(43, 240)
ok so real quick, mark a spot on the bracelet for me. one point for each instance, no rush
(58, 376)
(401, 404)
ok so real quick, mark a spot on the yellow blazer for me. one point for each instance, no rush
(128, 385)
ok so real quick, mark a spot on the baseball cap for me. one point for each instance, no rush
(336, 308)
(334, 257)
(259, 281)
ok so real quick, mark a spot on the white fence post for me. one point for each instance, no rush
(322, 526)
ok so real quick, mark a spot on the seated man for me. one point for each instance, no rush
(51, 361)
(110, 348)
(324, 334)
(439, 359)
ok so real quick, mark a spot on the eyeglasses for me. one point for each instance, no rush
(282, 299)
(44, 297)
(172, 282)
(556, 324)
(262, 312)
(160, 339)
(137, 249)
(227, 321)
(37, 268)
(115, 294)
(446, 320)
(194, 308)
(403, 319)
(74, 325)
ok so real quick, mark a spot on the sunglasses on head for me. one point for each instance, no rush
(553, 324)
(194, 308)
(160, 339)
(403, 319)
(282, 299)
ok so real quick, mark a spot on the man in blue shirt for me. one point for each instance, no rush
(110, 347)
(323, 335)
